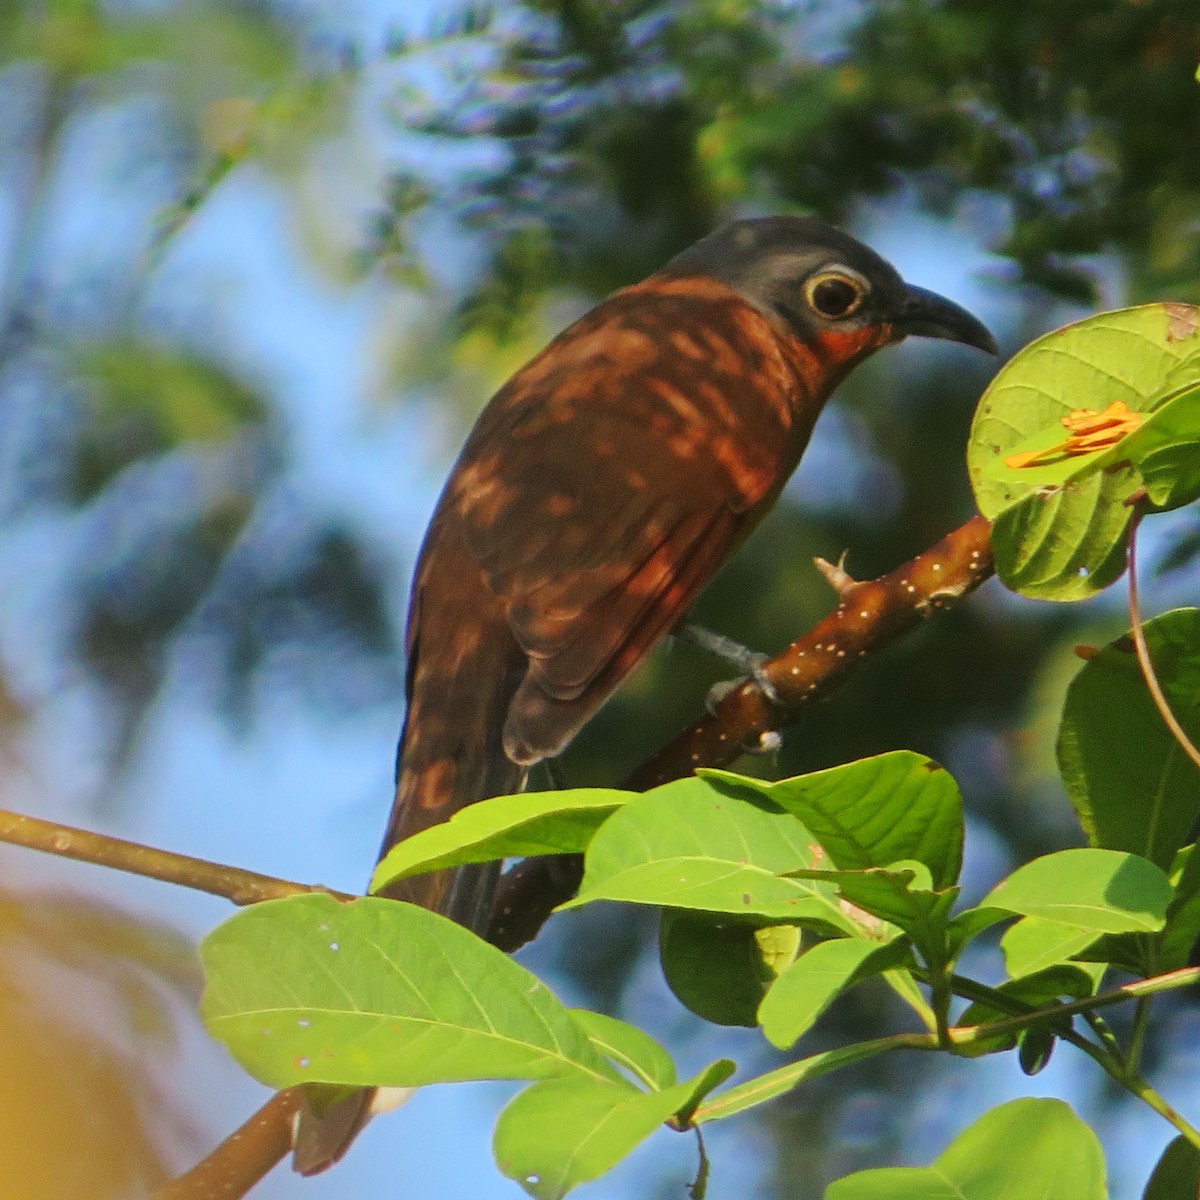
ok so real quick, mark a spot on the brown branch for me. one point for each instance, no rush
(233, 883)
(243, 1158)
(869, 616)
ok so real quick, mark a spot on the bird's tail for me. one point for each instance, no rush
(451, 755)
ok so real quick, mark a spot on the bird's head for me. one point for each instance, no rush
(825, 285)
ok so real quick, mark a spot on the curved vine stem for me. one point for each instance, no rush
(1143, 651)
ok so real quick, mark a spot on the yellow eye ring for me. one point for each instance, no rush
(835, 294)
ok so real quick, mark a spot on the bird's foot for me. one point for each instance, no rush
(749, 662)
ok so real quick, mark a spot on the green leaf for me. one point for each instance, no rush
(560, 1133)
(1166, 448)
(1132, 785)
(806, 989)
(720, 969)
(1104, 891)
(1171, 476)
(1183, 917)
(1132, 952)
(628, 1047)
(689, 845)
(1177, 1173)
(901, 896)
(522, 826)
(1033, 944)
(1035, 1048)
(1068, 544)
(1059, 527)
(1059, 1156)
(969, 924)
(873, 812)
(375, 991)
(1038, 990)
(700, 1086)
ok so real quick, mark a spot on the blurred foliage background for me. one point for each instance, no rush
(260, 263)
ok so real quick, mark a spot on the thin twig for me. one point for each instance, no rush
(1137, 1039)
(218, 879)
(1143, 651)
(1108, 1056)
(775, 1083)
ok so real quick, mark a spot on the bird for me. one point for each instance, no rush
(600, 489)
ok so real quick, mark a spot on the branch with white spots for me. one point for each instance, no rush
(870, 615)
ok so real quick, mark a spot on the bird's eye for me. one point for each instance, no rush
(834, 294)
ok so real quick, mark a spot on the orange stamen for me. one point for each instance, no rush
(1088, 432)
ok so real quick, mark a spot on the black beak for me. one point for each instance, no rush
(926, 314)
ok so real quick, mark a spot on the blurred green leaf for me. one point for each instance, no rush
(145, 400)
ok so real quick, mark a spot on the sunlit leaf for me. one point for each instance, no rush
(1059, 527)
(902, 895)
(1059, 1156)
(689, 845)
(629, 1047)
(1101, 891)
(799, 996)
(532, 823)
(874, 812)
(1035, 943)
(560, 1133)
(379, 992)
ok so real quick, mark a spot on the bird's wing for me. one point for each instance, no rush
(605, 485)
